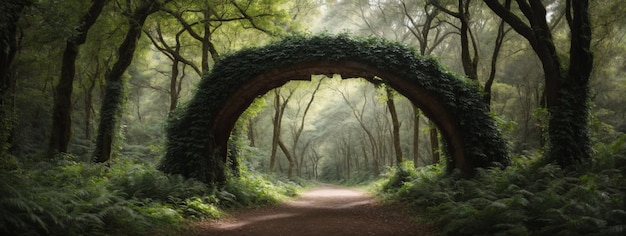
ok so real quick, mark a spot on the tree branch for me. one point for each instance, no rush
(515, 22)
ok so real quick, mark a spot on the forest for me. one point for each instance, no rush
(90, 91)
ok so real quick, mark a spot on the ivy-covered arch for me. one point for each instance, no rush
(198, 133)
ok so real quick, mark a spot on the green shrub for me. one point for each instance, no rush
(69, 197)
(254, 188)
(528, 198)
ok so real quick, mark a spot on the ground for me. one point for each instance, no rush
(325, 210)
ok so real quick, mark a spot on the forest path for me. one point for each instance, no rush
(324, 210)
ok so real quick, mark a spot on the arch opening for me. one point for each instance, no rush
(198, 135)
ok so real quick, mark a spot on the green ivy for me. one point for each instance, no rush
(189, 134)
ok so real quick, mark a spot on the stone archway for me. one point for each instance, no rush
(198, 133)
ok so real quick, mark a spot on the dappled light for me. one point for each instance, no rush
(323, 210)
(253, 220)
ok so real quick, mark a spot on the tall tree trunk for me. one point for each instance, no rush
(434, 142)
(416, 135)
(114, 86)
(289, 159)
(278, 117)
(395, 123)
(174, 85)
(276, 129)
(370, 136)
(62, 110)
(301, 162)
(11, 12)
(494, 61)
(568, 126)
(470, 64)
(298, 133)
(566, 91)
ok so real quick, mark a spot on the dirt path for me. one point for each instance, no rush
(326, 210)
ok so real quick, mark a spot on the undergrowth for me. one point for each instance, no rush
(69, 197)
(528, 198)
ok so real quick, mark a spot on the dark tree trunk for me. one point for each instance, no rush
(278, 117)
(567, 129)
(470, 64)
(494, 61)
(10, 15)
(275, 130)
(416, 135)
(566, 90)
(114, 87)
(434, 142)
(396, 125)
(62, 110)
(298, 132)
(174, 86)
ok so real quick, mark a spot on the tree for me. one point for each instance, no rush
(413, 22)
(470, 51)
(469, 59)
(280, 104)
(422, 32)
(10, 13)
(566, 80)
(297, 132)
(88, 85)
(395, 123)
(114, 85)
(173, 52)
(374, 144)
(62, 110)
(203, 20)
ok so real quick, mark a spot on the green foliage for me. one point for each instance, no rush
(528, 198)
(68, 197)
(6, 124)
(189, 129)
(254, 188)
(401, 175)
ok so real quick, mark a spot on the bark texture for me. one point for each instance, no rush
(62, 110)
(114, 88)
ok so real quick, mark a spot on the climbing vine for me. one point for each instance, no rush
(189, 149)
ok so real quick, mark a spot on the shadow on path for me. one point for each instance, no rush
(325, 210)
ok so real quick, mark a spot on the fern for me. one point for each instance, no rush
(525, 199)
